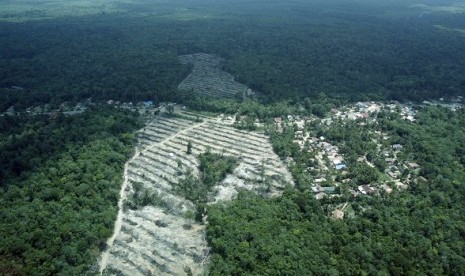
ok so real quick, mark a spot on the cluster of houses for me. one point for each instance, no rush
(144, 107)
(329, 163)
(46, 109)
(361, 110)
(297, 120)
(454, 104)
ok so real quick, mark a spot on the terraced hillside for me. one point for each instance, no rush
(208, 79)
(155, 232)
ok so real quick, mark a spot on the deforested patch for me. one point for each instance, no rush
(207, 78)
(179, 167)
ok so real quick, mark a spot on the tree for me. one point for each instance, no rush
(170, 109)
(189, 147)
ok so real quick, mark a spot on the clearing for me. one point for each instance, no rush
(155, 232)
(208, 79)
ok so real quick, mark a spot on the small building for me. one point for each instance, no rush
(366, 190)
(320, 196)
(386, 188)
(413, 165)
(341, 167)
(396, 147)
(337, 214)
(392, 174)
(278, 120)
(337, 161)
(390, 160)
(361, 105)
(328, 190)
(148, 103)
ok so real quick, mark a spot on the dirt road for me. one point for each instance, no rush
(122, 195)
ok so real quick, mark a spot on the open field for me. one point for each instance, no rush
(162, 237)
(14, 10)
(208, 79)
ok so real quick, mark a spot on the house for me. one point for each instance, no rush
(337, 161)
(320, 196)
(278, 120)
(341, 167)
(337, 214)
(413, 165)
(328, 190)
(396, 147)
(392, 174)
(390, 160)
(366, 190)
(386, 188)
(148, 103)
(361, 105)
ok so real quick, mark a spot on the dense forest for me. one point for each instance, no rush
(283, 50)
(60, 180)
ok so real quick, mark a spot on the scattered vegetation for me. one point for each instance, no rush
(213, 168)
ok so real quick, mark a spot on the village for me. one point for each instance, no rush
(330, 173)
(143, 107)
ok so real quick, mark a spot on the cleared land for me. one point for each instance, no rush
(161, 237)
(208, 79)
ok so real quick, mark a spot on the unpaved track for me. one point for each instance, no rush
(163, 238)
(122, 195)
